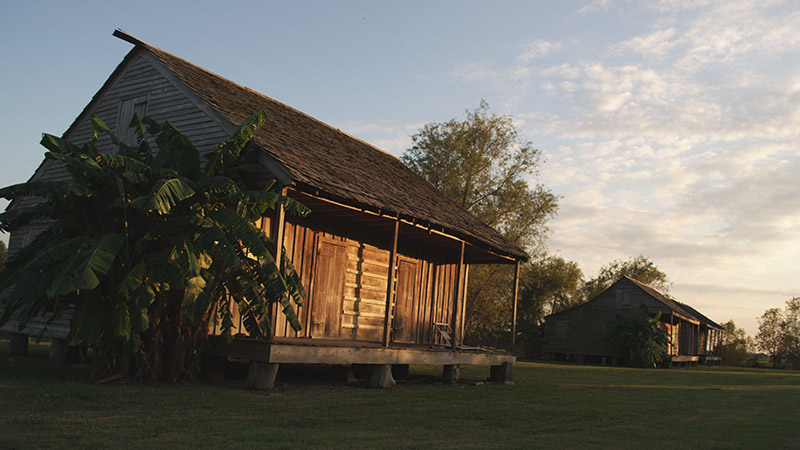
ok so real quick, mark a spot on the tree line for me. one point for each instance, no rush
(483, 164)
(778, 338)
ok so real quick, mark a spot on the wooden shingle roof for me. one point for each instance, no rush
(322, 158)
(676, 306)
(672, 305)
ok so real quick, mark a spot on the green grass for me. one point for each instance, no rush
(551, 406)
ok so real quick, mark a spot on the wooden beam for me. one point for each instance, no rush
(309, 354)
(278, 226)
(514, 311)
(390, 284)
(427, 227)
(457, 300)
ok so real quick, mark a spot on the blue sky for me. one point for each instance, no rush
(669, 129)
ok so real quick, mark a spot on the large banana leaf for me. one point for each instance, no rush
(164, 195)
(84, 269)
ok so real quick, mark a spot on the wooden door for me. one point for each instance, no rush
(405, 300)
(329, 277)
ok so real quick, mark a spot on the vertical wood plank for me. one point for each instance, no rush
(387, 316)
(277, 237)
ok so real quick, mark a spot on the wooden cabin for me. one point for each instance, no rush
(384, 256)
(581, 332)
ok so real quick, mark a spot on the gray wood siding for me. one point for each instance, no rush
(588, 323)
(166, 101)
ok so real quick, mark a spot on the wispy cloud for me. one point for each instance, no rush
(538, 49)
(680, 142)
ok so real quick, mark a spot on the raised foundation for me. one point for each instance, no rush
(262, 375)
(450, 373)
(371, 364)
(58, 350)
(503, 373)
(380, 376)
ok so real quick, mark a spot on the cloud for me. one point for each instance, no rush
(658, 43)
(717, 32)
(472, 71)
(538, 49)
(596, 5)
(679, 142)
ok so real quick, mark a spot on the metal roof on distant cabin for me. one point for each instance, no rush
(324, 158)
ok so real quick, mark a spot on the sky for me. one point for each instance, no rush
(669, 129)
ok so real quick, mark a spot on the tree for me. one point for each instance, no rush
(149, 246)
(736, 346)
(482, 164)
(640, 337)
(790, 331)
(3, 254)
(548, 284)
(769, 337)
(639, 268)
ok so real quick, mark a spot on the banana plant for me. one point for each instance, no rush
(640, 337)
(149, 245)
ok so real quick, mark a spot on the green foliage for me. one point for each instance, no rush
(736, 347)
(483, 165)
(640, 337)
(779, 333)
(769, 337)
(790, 331)
(639, 268)
(148, 246)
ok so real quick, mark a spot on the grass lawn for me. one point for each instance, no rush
(551, 406)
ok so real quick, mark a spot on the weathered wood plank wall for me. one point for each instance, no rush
(346, 283)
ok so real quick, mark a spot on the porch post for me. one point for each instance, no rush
(464, 302)
(277, 236)
(514, 311)
(390, 282)
(460, 288)
(671, 335)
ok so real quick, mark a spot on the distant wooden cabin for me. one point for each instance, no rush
(384, 255)
(581, 333)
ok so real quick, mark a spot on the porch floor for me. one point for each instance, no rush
(336, 351)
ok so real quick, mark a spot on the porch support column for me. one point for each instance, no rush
(514, 310)
(278, 226)
(261, 375)
(390, 282)
(671, 338)
(459, 297)
(451, 373)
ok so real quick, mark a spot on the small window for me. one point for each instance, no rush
(127, 109)
(623, 298)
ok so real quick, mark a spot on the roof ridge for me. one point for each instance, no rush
(138, 42)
